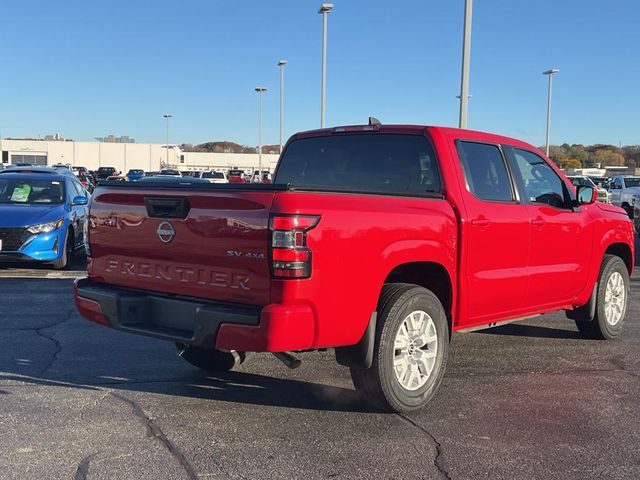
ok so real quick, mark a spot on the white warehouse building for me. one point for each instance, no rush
(149, 157)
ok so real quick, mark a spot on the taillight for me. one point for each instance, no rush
(290, 257)
(85, 231)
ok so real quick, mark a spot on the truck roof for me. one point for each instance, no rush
(415, 130)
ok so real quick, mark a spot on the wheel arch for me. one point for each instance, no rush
(431, 275)
(622, 250)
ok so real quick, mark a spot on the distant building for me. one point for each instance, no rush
(114, 139)
(124, 155)
(53, 138)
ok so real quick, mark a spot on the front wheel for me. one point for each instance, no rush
(410, 352)
(67, 253)
(611, 301)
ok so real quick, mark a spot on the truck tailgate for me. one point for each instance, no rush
(205, 243)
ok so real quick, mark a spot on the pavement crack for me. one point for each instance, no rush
(51, 338)
(437, 461)
(83, 467)
(154, 431)
(95, 403)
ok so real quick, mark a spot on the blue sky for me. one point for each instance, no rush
(91, 68)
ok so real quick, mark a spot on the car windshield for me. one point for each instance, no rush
(632, 182)
(581, 182)
(169, 172)
(29, 191)
(213, 175)
(135, 171)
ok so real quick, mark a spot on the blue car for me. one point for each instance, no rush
(135, 174)
(42, 216)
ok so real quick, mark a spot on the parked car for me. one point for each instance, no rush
(85, 181)
(257, 178)
(578, 181)
(105, 172)
(625, 192)
(215, 176)
(172, 181)
(601, 182)
(237, 176)
(117, 178)
(378, 241)
(135, 174)
(170, 172)
(42, 217)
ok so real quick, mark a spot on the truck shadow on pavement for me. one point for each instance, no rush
(233, 387)
(522, 330)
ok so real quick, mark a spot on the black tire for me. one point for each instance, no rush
(599, 328)
(210, 360)
(67, 255)
(379, 384)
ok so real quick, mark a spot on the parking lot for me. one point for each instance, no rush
(531, 399)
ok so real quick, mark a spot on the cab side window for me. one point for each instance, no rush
(485, 171)
(541, 183)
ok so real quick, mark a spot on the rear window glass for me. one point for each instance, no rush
(385, 163)
(632, 182)
(213, 175)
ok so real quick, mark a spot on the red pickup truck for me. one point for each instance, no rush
(376, 240)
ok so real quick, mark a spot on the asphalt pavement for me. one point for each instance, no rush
(527, 400)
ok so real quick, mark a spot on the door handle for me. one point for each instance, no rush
(538, 222)
(480, 222)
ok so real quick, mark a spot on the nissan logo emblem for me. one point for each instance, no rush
(165, 232)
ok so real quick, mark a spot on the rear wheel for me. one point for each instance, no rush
(210, 360)
(410, 353)
(67, 253)
(611, 301)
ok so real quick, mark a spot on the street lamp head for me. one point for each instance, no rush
(261, 89)
(325, 8)
(167, 115)
(551, 71)
(282, 63)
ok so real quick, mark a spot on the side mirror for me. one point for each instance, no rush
(79, 201)
(586, 195)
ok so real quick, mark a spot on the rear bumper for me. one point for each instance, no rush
(274, 328)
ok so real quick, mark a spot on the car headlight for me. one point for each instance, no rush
(45, 227)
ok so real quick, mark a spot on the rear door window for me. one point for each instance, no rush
(375, 163)
(485, 171)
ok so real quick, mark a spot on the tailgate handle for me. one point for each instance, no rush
(167, 207)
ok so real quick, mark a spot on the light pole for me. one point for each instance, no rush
(550, 74)
(324, 10)
(281, 64)
(260, 91)
(167, 116)
(466, 53)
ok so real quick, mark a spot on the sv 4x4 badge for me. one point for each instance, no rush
(235, 253)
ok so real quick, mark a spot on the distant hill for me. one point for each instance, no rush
(227, 147)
